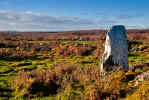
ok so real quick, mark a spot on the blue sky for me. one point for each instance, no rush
(61, 15)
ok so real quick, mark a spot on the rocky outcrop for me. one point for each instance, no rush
(116, 49)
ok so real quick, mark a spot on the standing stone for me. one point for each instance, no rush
(116, 49)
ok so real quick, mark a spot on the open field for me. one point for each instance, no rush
(65, 66)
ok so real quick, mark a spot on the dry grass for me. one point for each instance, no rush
(72, 83)
(49, 82)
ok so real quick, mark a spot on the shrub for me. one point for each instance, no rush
(36, 83)
(142, 92)
(48, 82)
(71, 82)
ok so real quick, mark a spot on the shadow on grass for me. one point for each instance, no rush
(133, 55)
(19, 59)
(106, 95)
(7, 71)
(5, 92)
(30, 69)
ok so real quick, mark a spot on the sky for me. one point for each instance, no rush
(65, 15)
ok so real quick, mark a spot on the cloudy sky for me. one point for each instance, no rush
(64, 15)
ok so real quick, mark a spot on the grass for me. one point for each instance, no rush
(85, 42)
(9, 70)
(38, 41)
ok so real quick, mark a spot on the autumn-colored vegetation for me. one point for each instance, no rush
(65, 66)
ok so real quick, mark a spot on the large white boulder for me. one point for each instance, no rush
(116, 49)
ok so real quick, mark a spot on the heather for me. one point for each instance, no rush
(65, 66)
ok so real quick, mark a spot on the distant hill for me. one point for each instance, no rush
(70, 35)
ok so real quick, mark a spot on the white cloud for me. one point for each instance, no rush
(12, 23)
(33, 21)
(29, 21)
